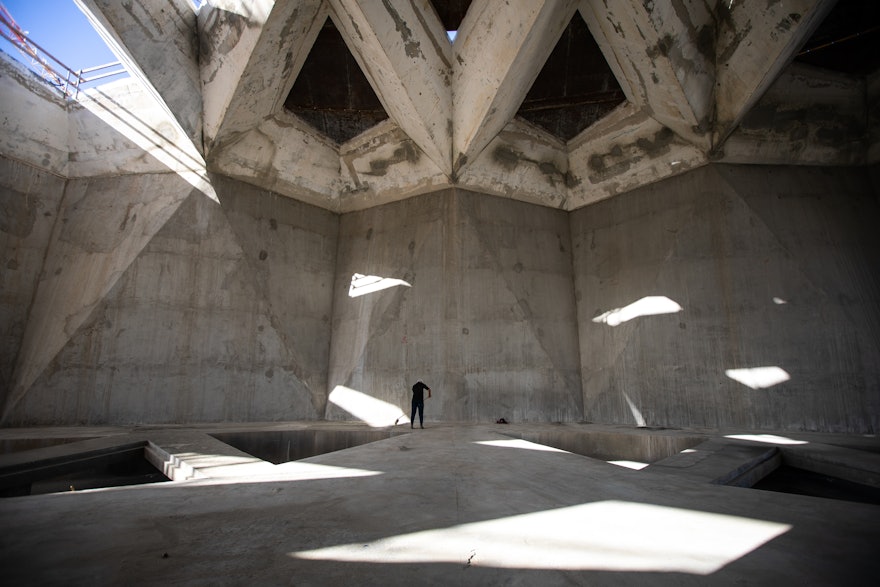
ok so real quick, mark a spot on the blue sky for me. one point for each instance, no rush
(60, 28)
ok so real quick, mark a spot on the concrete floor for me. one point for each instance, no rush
(450, 504)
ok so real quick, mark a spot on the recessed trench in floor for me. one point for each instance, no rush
(117, 467)
(793, 480)
(632, 446)
(281, 446)
(11, 445)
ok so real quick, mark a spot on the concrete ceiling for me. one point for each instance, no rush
(348, 104)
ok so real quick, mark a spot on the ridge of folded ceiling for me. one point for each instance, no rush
(401, 48)
(563, 102)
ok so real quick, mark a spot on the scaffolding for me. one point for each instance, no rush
(67, 80)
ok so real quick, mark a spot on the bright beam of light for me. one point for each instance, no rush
(759, 377)
(607, 535)
(364, 284)
(161, 137)
(640, 420)
(519, 443)
(766, 438)
(647, 306)
(374, 412)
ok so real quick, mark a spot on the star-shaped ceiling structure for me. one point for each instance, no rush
(347, 105)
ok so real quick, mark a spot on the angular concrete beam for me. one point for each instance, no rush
(522, 162)
(385, 165)
(251, 53)
(753, 48)
(402, 49)
(282, 154)
(809, 116)
(625, 150)
(158, 44)
(228, 33)
(499, 51)
(662, 55)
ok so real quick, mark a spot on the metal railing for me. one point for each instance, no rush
(67, 80)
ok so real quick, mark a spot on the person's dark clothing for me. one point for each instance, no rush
(418, 403)
(420, 406)
(419, 391)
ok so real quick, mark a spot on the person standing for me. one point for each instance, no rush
(418, 402)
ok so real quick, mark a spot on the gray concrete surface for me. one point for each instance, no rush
(450, 504)
(137, 287)
(241, 311)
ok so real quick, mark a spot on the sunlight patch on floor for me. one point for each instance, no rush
(606, 535)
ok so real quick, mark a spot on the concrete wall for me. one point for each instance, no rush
(224, 316)
(239, 310)
(33, 119)
(129, 294)
(29, 203)
(772, 267)
(489, 319)
(33, 167)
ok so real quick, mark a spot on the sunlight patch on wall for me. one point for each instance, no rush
(637, 414)
(607, 536)
(374, 412)
(759, 377)
(364, 284)
(647, 306)
(162, 138)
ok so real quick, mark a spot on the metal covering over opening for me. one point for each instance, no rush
(575, 88)
(331, 93)
(847, 39)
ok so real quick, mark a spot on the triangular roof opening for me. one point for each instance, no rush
(847, 39)
(451, 13)
(575, 88)
(331, 93)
